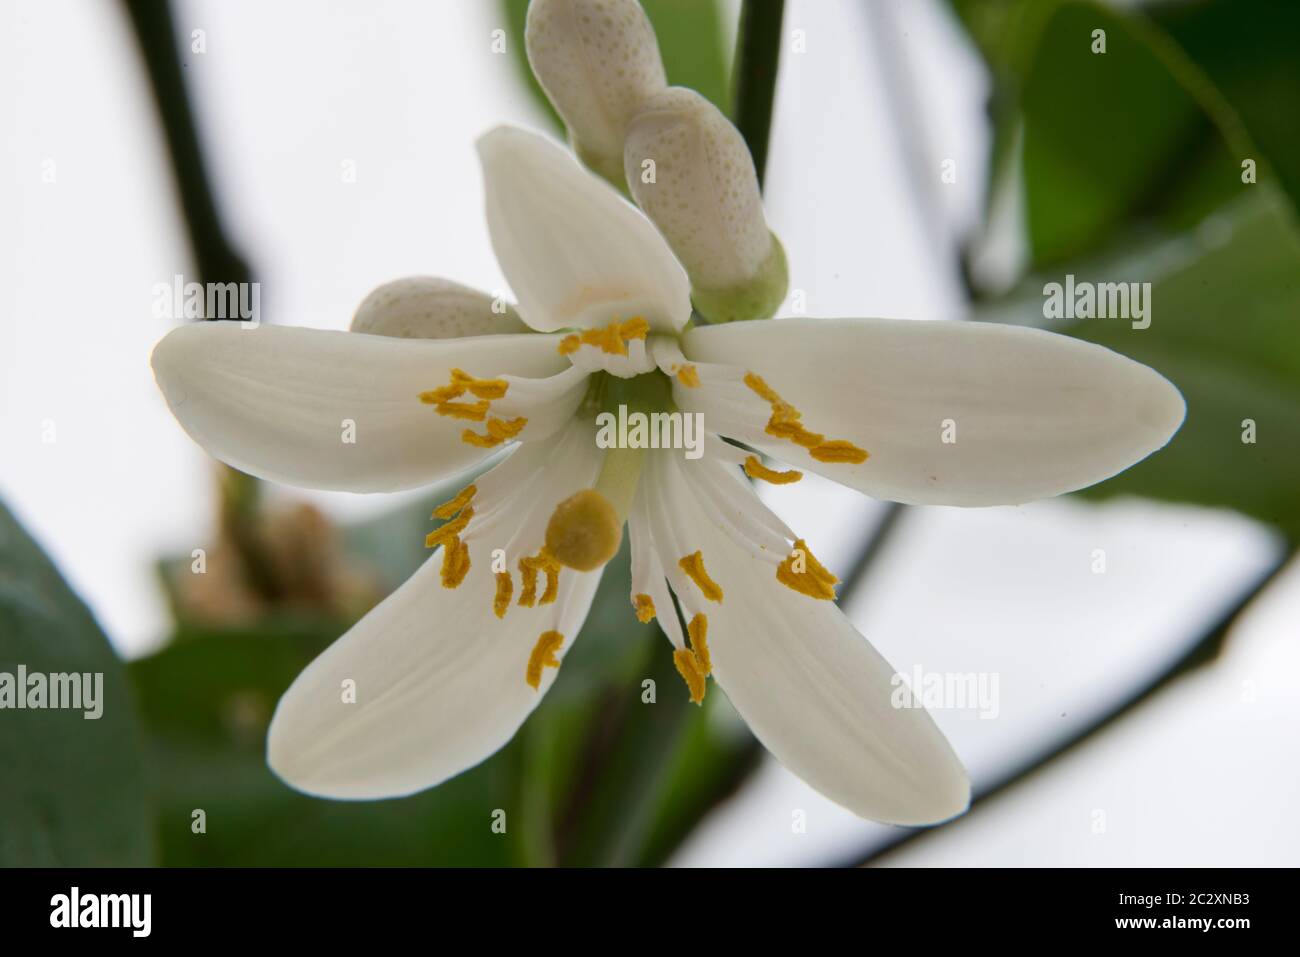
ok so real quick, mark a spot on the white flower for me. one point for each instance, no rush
(448, 667)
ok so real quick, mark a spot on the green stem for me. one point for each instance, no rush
(758, 50)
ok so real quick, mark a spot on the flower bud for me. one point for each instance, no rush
(690, 171)
(596, 60)
(422, 307)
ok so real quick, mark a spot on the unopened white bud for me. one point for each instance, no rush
(704, 197)
(423, 307)
(597, 60)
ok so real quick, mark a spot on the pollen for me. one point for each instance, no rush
(785, 423)
(505, 587)
(498, 431)
(455, 563)
(688, 375)
(693, 566)
(803, 573)
(756, 469)
(698, 629)
(448, 531)
(645, 608)
(543, 656)
(611, 338)
(838, 450)
(480, 388)
(584, 531)
(451, 509)
(472, 411)
(688, 666)
(529, 566)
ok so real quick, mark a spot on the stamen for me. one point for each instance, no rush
(693, 566)
(455, 563)
(784, 424)
(543, 656)
(688, 666)
(473, 411)
(451, 509)
(498, 431)
(449, 530)
(756, 469)
(528, 575)
(688, 376)
(645, 608)
(611, 338)
(569, 345)
(480, 388)
(812, 578)
(698, 629)
(504, 588)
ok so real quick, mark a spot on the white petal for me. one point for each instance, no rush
(575, 252)
(425, 307)
(1034, 414)
(812, 690)
(276, 402)
(440, 680)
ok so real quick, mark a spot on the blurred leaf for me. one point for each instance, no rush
(72, 790)
(1225, 329)
(1248, 48)
(691, 40)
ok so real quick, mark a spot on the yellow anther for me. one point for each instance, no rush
(634, 328)
(472, 411)
(688, 376)
(698, 629)
(480, 388)
(839, 450)
(449, 530)
(802, 572)
(584, 531)
(528, 577)
(569, 345)
(552, 569)
(693, 566)
(498, 431)
(688, 666)
(607, 339)
(543, 656)
(504, 588)
(450, 509)
(455, 563)
(756, 469)
(442, 394)
(645, 607)
(784, 424)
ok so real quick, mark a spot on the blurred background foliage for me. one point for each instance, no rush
(1126, 166)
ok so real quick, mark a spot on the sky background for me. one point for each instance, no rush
(287, 92)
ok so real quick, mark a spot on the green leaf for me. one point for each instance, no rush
(72, 790)
(1248, 50)
(691, 40)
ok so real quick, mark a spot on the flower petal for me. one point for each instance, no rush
(440, 680)
(281, 403)
(812, 689)
(575, 252)
(951, 413)
(426, 307)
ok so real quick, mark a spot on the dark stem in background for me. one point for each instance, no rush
(758, 53)
(1204, 651)
(215, 257)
